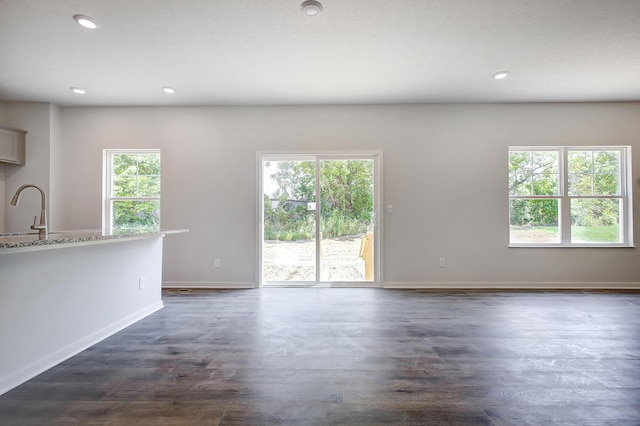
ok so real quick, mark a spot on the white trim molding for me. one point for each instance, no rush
(441, 285)
(514, 285)
(207, 285)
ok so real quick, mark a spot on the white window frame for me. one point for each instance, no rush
(108, 199)
(564, 199)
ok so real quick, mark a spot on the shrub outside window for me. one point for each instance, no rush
(132, 190)
(569, 196)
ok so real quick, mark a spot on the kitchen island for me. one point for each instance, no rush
(64, 292)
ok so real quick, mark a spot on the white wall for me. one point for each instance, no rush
(444, 171)
(56, 166)
(2, 178)
(35, 118)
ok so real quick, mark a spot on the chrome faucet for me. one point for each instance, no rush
(42, 227)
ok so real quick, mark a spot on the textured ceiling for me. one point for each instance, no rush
(267, 52)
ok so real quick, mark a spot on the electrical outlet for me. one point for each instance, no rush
(140, 283)
(216, 263)
(443, 262)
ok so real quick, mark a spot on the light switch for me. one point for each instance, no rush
(389, 208)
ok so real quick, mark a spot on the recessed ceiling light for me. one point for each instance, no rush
(78, 90)
(311, 7)
(500, 75)
(167, 89)
(86, 21)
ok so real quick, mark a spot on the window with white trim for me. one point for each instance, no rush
(131, 190)
(570, 196)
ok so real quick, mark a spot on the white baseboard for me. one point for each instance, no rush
(207, 285)
(465, 285)
(30, 371)
(515, 285)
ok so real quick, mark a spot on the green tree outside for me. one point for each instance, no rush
(346, 199)
(590, 173)
(136, 176)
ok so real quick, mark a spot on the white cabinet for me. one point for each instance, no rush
(12, 145)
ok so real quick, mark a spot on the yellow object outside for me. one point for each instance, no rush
(366, 253)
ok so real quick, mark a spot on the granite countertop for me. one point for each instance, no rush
(27, 241)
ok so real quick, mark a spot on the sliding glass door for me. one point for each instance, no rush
(330, 242)
(288, 221)
(347, 219)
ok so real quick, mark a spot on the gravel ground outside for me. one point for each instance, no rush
(295, 260)
(531, 235)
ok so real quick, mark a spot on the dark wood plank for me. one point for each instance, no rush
(354, 357)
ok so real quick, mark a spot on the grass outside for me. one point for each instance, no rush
(579, 234)
(596, 234)
(336, 226)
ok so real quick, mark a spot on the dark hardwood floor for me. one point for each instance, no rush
(354, 357)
